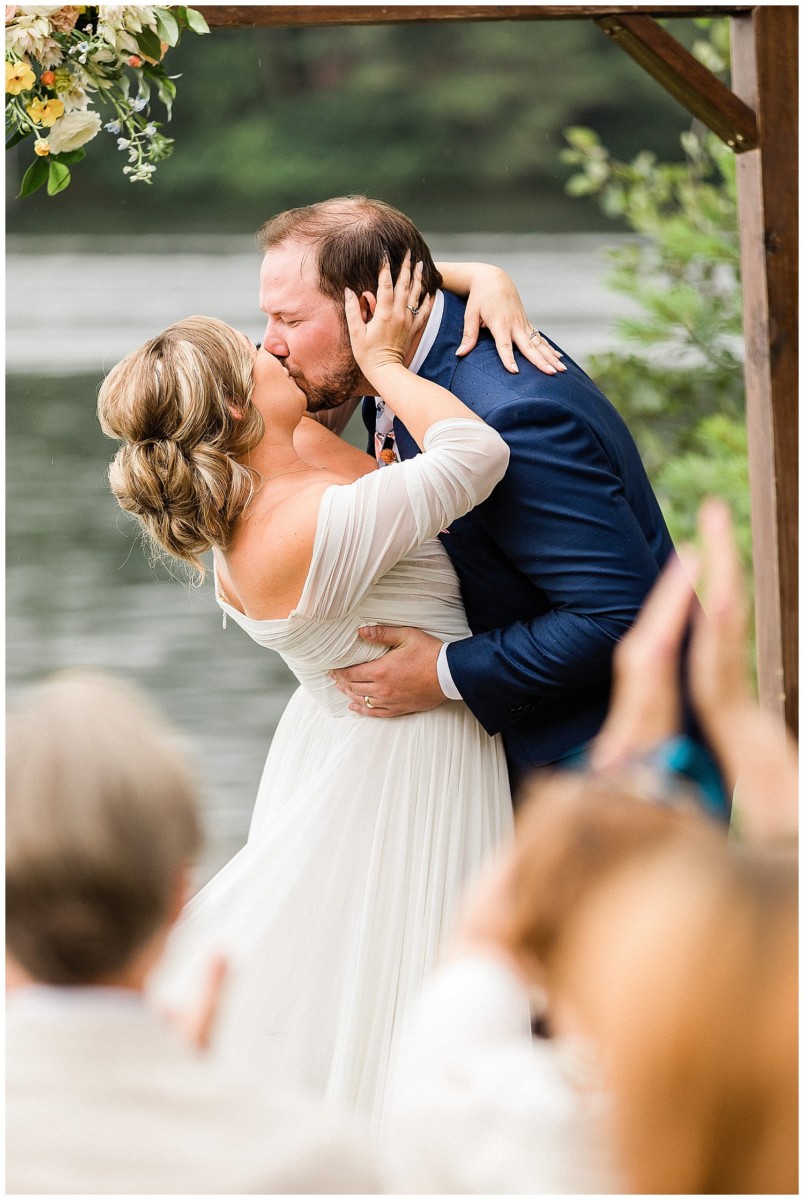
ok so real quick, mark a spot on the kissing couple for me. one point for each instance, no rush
(449, 603)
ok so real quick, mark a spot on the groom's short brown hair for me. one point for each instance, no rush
(352, 236)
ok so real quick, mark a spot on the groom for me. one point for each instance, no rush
(554, 566)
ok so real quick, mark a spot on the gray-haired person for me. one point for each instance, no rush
(103, 1094)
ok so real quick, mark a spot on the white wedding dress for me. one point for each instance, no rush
(364, 830)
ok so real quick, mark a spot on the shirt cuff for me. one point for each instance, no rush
(445, 675)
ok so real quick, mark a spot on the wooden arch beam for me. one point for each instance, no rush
(382, 14)
(686, 79)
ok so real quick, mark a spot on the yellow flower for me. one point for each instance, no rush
(19, 77)
(45, 112)
(41, 147)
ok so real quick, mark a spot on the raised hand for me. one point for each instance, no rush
(396, 316)
(754, 748)
(645, 704)
(494, 302)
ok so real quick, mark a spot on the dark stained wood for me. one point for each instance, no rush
(689, 81)
(765, 74)
(375, 14)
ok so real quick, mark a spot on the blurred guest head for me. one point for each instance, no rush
(101, 827)
(681, 969)
(572, 831)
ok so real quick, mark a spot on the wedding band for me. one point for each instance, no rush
(535, 334)
(412, 309)
(367, 702)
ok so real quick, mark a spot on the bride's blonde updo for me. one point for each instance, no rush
(181, 405)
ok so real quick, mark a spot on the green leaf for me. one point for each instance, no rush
(196, 22)
(15, 137)
(69, 156)
(149, 44)
(167, 93)
(167, 26)
(34, 177)
(579, 185)
(58, 178)
(581, 138)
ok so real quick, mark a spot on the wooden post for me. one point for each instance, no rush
(765, 76)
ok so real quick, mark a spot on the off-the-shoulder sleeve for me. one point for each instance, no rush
(367, 526)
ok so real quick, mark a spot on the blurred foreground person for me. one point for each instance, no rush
(681, 970)
(103, 1095)
(480, 1105)
(662, 954)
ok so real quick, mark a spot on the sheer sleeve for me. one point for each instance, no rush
(367, 526)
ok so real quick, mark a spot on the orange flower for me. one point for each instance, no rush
(41, 147)
(135, 61)
(48, 78)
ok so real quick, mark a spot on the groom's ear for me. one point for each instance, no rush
(368, 302)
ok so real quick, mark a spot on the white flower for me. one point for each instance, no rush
(137, 16)
(49, 53)
(28, 36)
(73, 130)
(120, 40)
(39, 10)
(76, 100)
(123, 143)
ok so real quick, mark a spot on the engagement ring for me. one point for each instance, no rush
(412, 309)
(535, 334)
(367, 702)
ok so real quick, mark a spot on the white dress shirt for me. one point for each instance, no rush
(103, 1097)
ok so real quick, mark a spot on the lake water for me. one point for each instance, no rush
(79, 589)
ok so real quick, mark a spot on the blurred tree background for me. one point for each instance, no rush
(502, 126)
(679, 381)
(460, 124)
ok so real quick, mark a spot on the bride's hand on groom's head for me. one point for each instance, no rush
(382, 327)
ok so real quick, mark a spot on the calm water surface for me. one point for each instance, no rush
(79, 588)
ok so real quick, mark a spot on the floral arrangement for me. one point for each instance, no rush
(62, 59)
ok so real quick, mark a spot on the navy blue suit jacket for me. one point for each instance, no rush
(555, 565)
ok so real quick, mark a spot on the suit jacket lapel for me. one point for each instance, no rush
(369, 414)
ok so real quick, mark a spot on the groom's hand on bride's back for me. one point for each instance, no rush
(404, 680)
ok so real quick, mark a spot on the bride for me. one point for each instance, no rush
(363, 832)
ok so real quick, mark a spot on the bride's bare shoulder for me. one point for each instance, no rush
(269, 558)
(315, 443)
